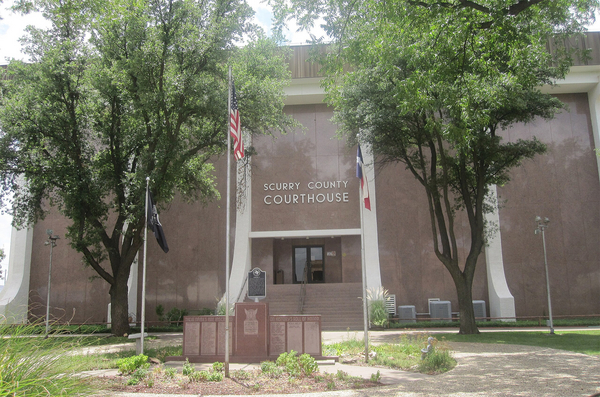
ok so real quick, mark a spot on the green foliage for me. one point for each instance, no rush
(241, 374)
(376, 377)
(577, 341)
(295, 366)
(271, 369)
(308, 364)
(378, 314)
(110, 98)
(170, 372)
(438, 360)
(433, 87)
(160, 312)
(218, 366)
(129, 365)
(289, 361)
(140, 374)
(176, 315)
(35, 366)
(188, 368)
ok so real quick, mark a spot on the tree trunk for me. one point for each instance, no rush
(119, 308)
(464, 289)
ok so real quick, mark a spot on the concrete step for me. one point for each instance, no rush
(338, 304)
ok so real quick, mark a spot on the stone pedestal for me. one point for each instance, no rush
(251, 336)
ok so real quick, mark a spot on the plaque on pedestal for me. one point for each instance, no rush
(251, 335)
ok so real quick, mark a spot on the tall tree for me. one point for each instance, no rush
(432, 83)
(120, 90)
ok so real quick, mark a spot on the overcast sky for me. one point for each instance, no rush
(12, 27)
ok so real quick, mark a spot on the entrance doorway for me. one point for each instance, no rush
(309, 264)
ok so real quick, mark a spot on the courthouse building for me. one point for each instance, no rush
(296, 215)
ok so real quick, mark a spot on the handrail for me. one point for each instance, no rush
(303, 290)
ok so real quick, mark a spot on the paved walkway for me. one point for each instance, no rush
(482, 370)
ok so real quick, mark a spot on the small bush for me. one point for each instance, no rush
(215, 377)
(187, 368)
(271, 369)
(170, 372)
(129, 365)
(218, 367)
(308, 364)
(197, 376)
(437, 360)
(376, 377)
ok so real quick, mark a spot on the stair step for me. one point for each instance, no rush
(338, 304)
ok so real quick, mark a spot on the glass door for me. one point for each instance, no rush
(309, 264)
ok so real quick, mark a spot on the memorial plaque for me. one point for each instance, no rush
(251, 329)
(250, 323)
(257, 284)
(294, 336)
(277, 338)
(209, 339)
(312, 337)
(191, 338)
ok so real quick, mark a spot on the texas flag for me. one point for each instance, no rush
(360, 173)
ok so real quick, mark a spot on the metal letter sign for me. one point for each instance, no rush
(257, 284)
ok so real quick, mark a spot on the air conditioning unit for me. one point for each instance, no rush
(440, 310)
(407, 314)
(429, 304)
(390, 305)
(479, 308)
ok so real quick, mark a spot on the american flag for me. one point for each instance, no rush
(234, 126)
(360, 173)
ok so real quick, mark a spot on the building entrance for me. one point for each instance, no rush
(308, 263)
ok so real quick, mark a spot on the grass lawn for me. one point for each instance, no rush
(587, 342)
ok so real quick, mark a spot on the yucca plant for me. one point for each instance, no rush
(378, 314)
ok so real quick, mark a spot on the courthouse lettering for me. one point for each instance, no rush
(324, 193)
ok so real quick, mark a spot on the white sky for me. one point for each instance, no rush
(12, 27)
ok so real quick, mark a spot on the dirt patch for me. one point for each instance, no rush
(239, 383)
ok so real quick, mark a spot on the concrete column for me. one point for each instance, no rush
(14, 297)
(593, 96)
(242, 247)
(370, 227)
(502, 303)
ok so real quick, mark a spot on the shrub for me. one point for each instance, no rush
(218, 367)
(378, 314)
(290, 363)
(271, 369)
(437, 360)
(308, 364)
(215, 377)
(176, 315)
(187, 368)
(129, 365)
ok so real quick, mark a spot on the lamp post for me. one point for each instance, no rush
(52, 243)
(541, 227)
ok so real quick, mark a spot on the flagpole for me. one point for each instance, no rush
(364, 275)
(144, 269)
(227, 242)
